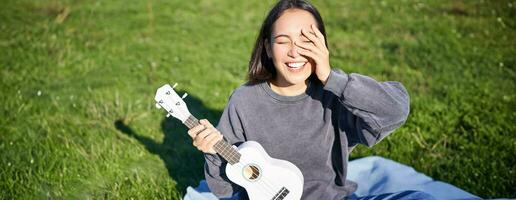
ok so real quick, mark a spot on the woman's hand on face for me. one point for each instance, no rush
(205, 136)
(316, 50)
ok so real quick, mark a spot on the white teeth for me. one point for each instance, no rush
(296, 65)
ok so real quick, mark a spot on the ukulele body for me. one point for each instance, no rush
(264, 177)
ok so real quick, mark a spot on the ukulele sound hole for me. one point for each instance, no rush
(251, 172)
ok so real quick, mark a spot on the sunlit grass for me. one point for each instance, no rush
(78, 80)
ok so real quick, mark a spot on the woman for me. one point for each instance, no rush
(299, 109)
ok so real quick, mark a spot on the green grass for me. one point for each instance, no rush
(78, 118)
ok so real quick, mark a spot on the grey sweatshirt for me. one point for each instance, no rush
(315, 130)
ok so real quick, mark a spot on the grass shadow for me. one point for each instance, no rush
(184, 163)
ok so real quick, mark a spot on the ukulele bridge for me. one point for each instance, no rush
(281, 194)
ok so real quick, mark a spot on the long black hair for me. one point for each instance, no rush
(261, 67)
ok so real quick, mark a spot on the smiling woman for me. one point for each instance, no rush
(300, 110)
(276, 44)
(296, 50)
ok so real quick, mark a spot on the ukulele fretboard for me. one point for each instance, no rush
(222, 147)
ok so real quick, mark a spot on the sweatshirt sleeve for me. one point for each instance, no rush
(378, 108)
(215, 166)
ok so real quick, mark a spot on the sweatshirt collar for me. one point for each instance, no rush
(268, 90)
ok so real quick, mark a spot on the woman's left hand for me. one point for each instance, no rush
(316, 50)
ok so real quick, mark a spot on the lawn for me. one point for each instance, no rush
(78, 80)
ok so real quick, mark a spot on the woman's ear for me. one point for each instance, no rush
(267, 45)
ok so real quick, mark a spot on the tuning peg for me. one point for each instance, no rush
(157, 105)
(184, 95)
(168, 115)
(174, 86)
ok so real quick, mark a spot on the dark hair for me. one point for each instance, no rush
(261, 67)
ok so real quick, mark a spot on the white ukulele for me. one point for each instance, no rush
(249, 165)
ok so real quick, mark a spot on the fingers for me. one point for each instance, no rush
(318, 52)
(209, 141)
(205, 133)
(308, 53)
(306, 46)
(318, 34)
(206, 123)
(206, 140)
(196, 130)
(313, 52)
(316, 37)
(312, 37)
(205, 136)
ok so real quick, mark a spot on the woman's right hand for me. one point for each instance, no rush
(205, 136)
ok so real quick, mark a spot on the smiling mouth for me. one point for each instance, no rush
(295, 65)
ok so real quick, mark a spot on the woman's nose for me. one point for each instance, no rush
(293, 51)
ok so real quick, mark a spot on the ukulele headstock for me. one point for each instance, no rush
(169, 100)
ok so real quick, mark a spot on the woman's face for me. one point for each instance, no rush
(291, 67)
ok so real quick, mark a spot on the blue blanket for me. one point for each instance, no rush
(374, 175)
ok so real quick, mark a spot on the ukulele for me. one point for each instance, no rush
(249, 166)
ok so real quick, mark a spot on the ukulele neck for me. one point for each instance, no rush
(222, 147)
